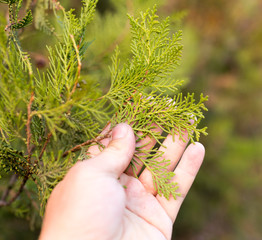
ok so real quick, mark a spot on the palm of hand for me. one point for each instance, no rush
(145, 217)
(121, 209)
(129, 211)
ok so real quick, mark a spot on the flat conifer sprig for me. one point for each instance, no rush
(135, 94)
(155, 57)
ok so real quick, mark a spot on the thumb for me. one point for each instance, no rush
(115, 158)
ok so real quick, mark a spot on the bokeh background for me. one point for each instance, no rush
(223, 59)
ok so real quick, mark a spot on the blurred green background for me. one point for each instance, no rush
(223, 59)
(223, 51)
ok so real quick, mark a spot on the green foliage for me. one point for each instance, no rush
(163, 112)
(50, 174)
(13, 161)
(13, 15)
(24, 22)
(47, 117)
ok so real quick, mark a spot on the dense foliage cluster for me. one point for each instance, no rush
(47, 117)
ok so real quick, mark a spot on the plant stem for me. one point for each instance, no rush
(95, 140)
(7, 203)
(45, 145)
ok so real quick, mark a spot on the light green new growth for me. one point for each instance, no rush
(134, 90)
(46, 119)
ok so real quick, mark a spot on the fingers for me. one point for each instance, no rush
(115, 158)
(186, 172)
(173, 151)
(146, 143)
(141, 203)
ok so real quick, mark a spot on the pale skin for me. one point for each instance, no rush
(99, 199)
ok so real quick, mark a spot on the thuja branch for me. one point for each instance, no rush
(59, 115)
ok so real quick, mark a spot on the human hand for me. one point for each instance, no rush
(97, 200)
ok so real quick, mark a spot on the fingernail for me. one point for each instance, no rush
(119, 131)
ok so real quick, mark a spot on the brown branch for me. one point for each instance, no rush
(45, 145)
(95, 140)
(11, 183)
(7, 203)
(28, 129)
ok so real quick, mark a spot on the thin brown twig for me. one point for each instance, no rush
(11, 183)
(28, 129)
(45, 145)
(7, 203)
(105, 127)
(78, 147)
